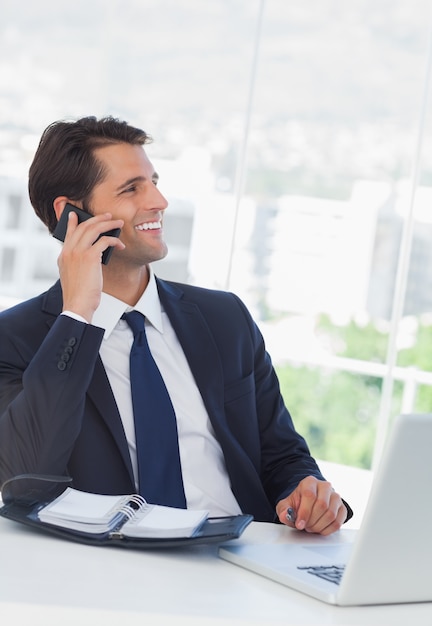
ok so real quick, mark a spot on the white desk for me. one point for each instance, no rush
(46, 581)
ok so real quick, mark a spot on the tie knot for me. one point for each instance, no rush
(135, 319)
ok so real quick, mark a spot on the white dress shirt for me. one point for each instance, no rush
(205, 478)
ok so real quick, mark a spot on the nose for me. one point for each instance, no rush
(155, 198)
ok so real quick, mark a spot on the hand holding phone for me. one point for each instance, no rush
(60, 230)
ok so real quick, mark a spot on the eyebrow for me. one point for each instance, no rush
(137, 179)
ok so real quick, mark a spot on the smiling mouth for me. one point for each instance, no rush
(149, 226)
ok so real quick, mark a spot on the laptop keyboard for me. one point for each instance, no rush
(332, 573)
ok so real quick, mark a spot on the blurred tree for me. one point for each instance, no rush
(336, 411)
(420, 355)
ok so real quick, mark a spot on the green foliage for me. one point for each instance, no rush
(364, 342)
(334, 411)
(420, 355)
(424, 399)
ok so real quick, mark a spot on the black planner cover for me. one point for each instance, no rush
(23, 496)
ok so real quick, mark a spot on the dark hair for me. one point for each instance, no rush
(65, 165)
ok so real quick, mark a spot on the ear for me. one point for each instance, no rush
(60, 203)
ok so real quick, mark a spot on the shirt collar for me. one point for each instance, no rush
(110, 309)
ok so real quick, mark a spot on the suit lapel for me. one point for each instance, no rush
(103, 399)
(205, 362)
(198, 345)
(99, 389)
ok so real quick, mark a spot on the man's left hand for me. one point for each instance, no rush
(317, 507)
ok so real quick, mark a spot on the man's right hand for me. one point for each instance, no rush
(80, 264)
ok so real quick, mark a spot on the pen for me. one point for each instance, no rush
(291, 515)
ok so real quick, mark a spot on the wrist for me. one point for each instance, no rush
(76, 316)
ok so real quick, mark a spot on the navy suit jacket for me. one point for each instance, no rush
(59, 416)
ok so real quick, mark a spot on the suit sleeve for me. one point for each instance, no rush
(42, 393)
(285, 455)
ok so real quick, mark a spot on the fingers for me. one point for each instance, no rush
(326, 520)
(85, 234)
(86, 241)
(317, 505)
(80, 262)
(318, 508)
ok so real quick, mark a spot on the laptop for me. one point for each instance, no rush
(389, 560)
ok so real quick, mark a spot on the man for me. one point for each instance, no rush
(65, 396)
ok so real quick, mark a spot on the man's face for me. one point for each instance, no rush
(129, 192)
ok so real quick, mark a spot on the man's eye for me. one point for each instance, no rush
(130, 189)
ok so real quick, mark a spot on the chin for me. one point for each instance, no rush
(157, 256)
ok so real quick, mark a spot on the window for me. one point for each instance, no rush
(7, 264)
(289, 138)
(13, 211)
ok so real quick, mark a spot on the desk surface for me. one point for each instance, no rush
(48, 581)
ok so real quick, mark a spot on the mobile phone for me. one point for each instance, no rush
(60, 230)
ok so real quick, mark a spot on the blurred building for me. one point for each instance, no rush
(317, 255)
(28, 254)
(297, 254)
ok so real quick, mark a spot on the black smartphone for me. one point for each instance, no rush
(60, 230)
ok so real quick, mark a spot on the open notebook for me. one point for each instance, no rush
(50, 504)
(130, 516)
(390, 558)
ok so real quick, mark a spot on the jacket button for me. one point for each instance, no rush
(61, 365)
(72, 341)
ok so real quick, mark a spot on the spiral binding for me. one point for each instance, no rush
(132, 505)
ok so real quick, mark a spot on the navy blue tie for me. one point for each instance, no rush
(159, 469)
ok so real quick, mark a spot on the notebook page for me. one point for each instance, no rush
(82, 506)
(164, 521)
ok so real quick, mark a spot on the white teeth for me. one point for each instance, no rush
(148, 226)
